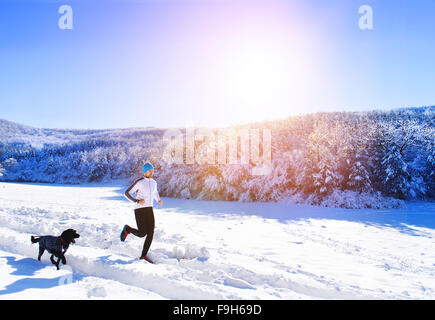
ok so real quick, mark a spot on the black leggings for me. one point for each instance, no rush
(145, 227)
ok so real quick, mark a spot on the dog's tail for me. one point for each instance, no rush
(35, 239)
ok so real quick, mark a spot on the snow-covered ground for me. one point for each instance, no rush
(231, 250)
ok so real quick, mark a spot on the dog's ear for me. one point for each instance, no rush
(67, 235)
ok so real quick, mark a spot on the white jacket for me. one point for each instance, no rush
(143, 189)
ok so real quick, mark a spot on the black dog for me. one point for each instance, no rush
(57, 246)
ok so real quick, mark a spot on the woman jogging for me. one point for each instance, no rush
(143, 192)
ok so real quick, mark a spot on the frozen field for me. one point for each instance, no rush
(231, 250)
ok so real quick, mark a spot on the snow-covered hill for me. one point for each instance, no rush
(344, 160)
(12, 132)
(231, 250)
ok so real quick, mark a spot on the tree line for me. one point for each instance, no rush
(342, 159)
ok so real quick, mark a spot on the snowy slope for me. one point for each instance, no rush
(231, 250)
(12, 132)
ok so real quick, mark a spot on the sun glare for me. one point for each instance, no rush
(262, 80)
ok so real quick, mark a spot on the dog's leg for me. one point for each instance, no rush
(41, 252)
(52, 259)
(58, 255)
(63, 258)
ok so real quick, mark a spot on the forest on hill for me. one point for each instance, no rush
(370, 159)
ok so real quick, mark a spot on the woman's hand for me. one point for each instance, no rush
(141, 202)
(160, 202)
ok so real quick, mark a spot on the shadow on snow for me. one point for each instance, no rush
(417, 214)
(29, 267)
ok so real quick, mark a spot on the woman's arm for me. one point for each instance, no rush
(156, 195)
(132, 189)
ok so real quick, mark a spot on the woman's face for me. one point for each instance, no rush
(149, 173)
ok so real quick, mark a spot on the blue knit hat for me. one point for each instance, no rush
(147, 166)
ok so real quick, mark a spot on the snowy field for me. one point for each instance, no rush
(230, 250)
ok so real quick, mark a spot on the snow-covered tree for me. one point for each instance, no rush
(322, 163)
(324, 158)
(395, 176)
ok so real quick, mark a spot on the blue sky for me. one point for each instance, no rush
(172, 63)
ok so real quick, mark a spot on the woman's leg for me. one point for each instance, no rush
(148, 229)
(145, 227)
(140, 222)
